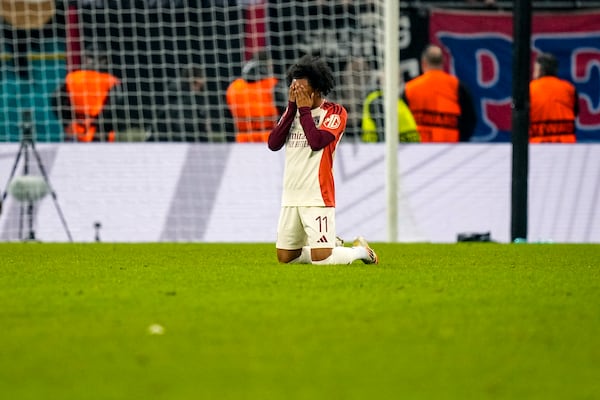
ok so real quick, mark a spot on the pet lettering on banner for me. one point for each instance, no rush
(479, 48)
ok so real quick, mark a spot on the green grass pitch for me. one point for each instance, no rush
(455, 321)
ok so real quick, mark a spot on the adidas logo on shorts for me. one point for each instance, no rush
(322, 240)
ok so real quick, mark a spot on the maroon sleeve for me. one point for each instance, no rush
(279, 134)
(317, 139)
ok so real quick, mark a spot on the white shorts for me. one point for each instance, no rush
(306, 226)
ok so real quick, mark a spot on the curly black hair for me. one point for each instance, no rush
(315, 70)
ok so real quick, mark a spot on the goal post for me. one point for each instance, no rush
(391, 63)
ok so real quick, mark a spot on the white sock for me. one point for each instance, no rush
(303, 258)
(344, 255)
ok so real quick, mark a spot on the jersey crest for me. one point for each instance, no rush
(333, 121)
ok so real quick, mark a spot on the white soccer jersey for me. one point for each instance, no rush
(308, 174)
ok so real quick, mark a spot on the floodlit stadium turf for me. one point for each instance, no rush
(220, 321)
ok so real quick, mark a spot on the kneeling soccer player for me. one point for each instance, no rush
(310, 129)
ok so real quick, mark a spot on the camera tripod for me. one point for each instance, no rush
(27, 148)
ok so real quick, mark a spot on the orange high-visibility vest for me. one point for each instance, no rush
(433, 100)
(552, 110)
(87, 91)
(253, 108)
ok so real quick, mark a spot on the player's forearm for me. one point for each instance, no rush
(279, 134)
(317, 139)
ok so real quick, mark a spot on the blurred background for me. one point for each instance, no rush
(147, 45)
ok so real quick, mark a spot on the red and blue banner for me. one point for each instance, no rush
(479, 49)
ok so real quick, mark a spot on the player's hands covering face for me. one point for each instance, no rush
(302, 93)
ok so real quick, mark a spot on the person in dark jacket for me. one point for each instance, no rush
(184, 116)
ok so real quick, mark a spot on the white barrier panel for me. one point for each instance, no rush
(147, 192)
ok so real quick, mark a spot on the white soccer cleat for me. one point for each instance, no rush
(361, 242)
(339, 242)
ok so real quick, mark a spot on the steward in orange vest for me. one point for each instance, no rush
(440, 103)
(82, 103)
(251, 100)
(553, 104)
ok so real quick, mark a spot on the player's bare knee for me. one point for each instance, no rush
(320, 254)
(286, 256)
